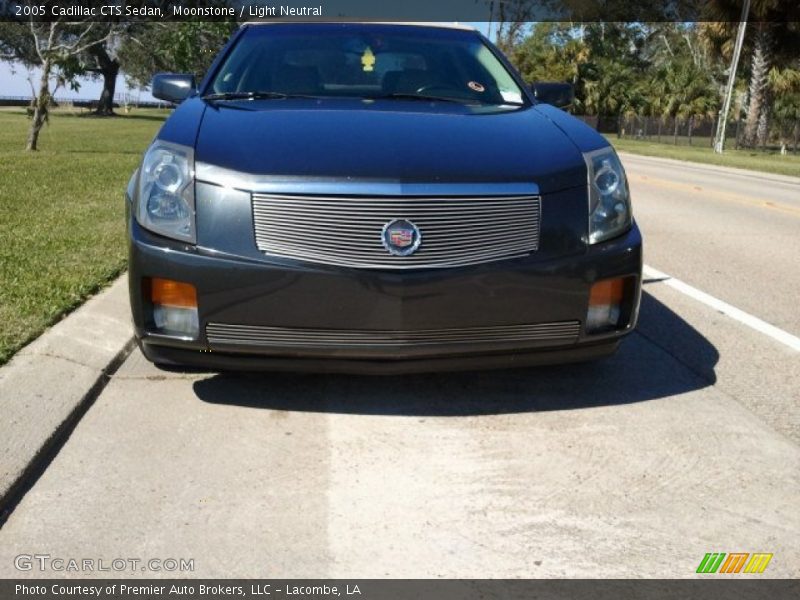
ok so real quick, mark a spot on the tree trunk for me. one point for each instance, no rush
(106, 105)
(40, 107)
(762, 133)
(758, 85)
(714, 129)
(796, 136)
(675, 133)
(659, 129)
(690, 127)
(737, 139)
(109, 69)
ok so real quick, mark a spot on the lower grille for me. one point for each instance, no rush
(348, 231)
(549, 334)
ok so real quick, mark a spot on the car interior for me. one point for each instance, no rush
(351, 67)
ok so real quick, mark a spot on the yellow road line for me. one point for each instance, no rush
(722, 196)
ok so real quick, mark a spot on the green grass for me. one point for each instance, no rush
(62, 215)
(755, 160)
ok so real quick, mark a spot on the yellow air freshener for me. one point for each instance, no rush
(368, 60)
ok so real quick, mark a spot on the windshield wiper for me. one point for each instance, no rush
(422, 97)
(253, 96)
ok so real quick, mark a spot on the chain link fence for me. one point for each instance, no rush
(693, 131)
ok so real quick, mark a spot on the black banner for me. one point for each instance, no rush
(714, 587)
(399, 10)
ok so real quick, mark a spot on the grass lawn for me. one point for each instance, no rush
(61, 214)
(769, 162)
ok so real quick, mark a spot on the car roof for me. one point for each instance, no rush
(436, 24)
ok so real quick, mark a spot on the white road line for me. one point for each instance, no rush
(776, 334)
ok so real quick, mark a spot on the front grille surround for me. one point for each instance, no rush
(347, 230)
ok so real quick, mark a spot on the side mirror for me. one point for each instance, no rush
(173, 87)
(557, 94)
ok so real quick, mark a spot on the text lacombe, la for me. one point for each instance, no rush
(306, 590)
(260, 12)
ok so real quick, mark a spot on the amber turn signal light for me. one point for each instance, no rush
(609, 291)
(605, 305)
(166, 292)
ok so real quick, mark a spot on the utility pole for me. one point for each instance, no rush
(719, 142)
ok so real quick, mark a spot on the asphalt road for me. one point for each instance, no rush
(685, 442)
(733, 235)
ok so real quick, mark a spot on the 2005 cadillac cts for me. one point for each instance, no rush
(378, 198)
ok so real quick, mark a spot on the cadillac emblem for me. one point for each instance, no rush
(401, 237)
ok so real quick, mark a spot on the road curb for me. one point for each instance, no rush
(51, 383)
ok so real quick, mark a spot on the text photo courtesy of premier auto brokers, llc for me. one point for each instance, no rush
(469, 299)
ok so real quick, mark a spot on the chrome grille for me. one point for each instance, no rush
(221, 334)
(346, 231)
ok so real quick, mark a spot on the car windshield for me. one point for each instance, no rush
(365, 61)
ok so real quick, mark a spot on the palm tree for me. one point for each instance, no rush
(755, 130)
(771, 38)
(785, 87)
(658, 98)
(611, 89)
(683, 90)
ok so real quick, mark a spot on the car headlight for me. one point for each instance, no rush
(165, 203)
(609, 198)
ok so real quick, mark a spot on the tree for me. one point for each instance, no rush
(552, 52)
(756, 124)
(661, 69)
(611, 90)
(100, 60)
(682, 90)
(513, 17)
(785, 88)
(772, 38)
(684, 78)
(54, 48)
(695, 96)
(610, 79)
(187, 47)
(600, 60)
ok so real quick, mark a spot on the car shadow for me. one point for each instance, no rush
(643, 369)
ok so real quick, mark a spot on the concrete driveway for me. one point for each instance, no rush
(686, 442)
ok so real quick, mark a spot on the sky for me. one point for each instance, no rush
(14, 81)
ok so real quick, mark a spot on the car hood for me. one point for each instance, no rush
(405, 142)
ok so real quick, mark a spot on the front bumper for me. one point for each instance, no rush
(297, 297)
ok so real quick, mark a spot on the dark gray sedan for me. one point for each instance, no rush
(376, 198)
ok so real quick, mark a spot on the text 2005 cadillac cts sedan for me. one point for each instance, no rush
(376, 198)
